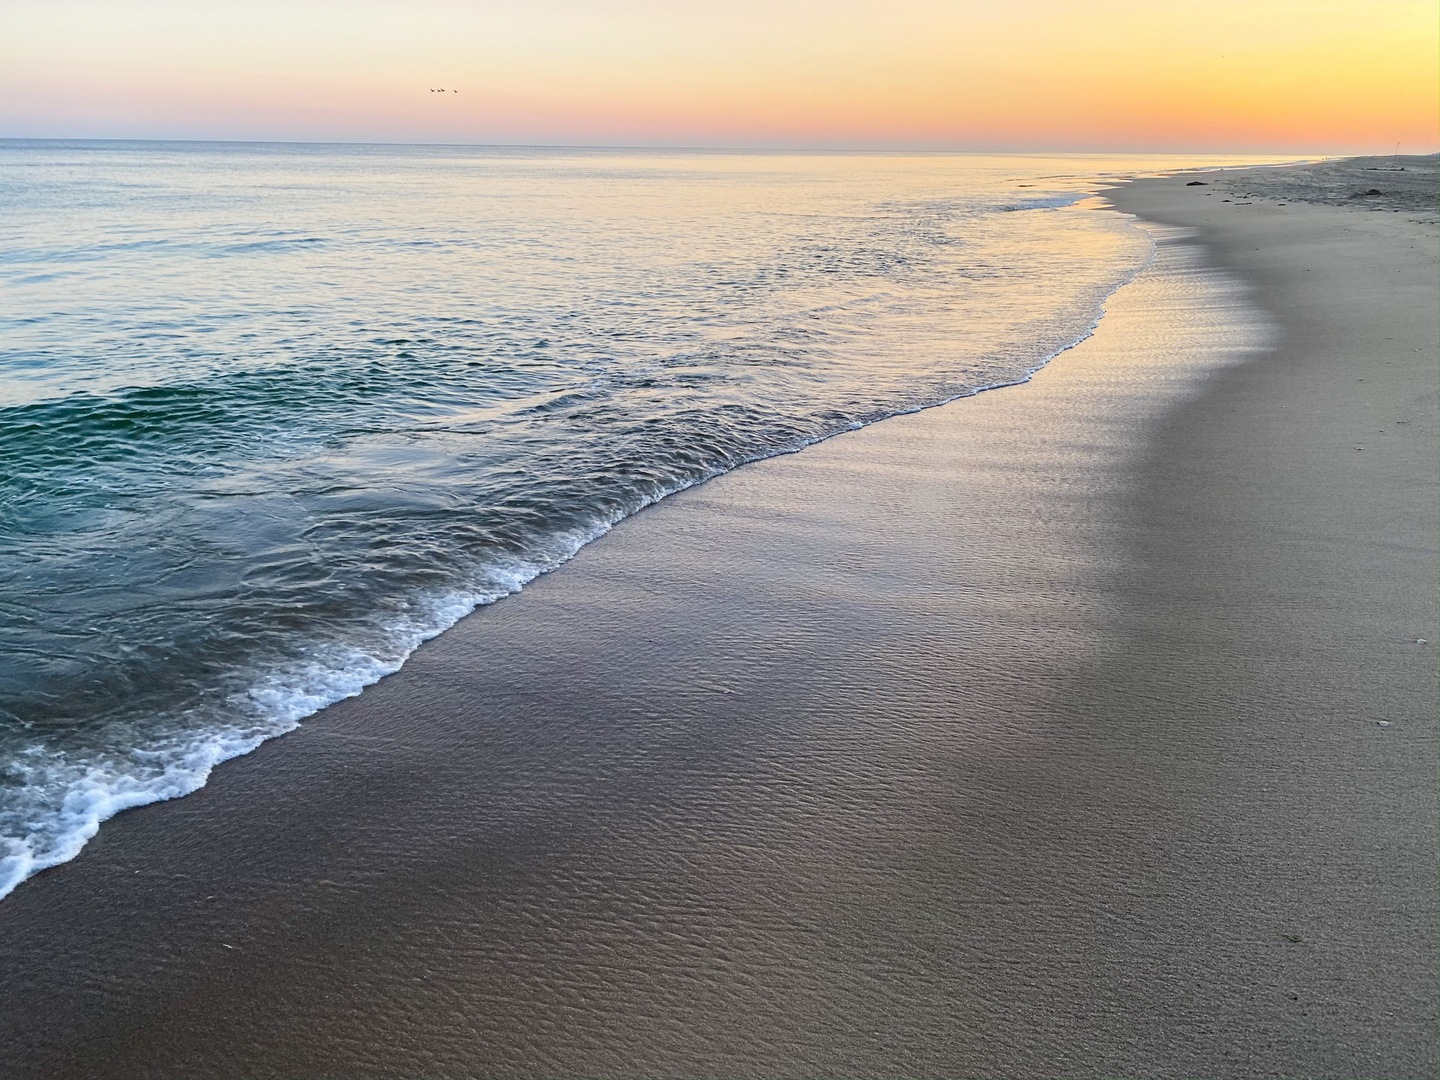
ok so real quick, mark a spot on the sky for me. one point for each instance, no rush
(1263, 76)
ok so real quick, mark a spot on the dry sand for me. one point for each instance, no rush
(1408, 185)
(1037, 734)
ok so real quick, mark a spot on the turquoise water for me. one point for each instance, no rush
(273, 415)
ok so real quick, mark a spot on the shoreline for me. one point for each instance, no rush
(212, 750)
(646, 840)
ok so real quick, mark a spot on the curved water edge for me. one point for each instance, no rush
(97, 796)
(265, 539)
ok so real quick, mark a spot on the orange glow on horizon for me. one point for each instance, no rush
(1267, 75)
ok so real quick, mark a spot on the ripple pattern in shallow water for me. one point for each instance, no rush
(273, 416)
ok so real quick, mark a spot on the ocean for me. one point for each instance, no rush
(271, 416)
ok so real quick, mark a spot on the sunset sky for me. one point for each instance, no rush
(1298, 76)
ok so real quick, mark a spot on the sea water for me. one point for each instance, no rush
(273, 415)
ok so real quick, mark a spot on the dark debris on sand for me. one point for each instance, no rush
(1405, 183)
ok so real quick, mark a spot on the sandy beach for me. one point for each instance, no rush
(1085, 727)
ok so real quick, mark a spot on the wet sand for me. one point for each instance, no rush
(1037, 734)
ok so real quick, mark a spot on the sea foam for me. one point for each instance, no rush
(261, 442)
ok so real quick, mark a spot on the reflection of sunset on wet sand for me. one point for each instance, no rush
(757, 538)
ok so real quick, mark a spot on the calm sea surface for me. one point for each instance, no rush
(271, 416)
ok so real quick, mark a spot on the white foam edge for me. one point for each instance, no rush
(93, 800)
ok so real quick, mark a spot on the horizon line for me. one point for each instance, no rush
(694, 148)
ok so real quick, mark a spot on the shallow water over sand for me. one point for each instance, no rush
(273, 415)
